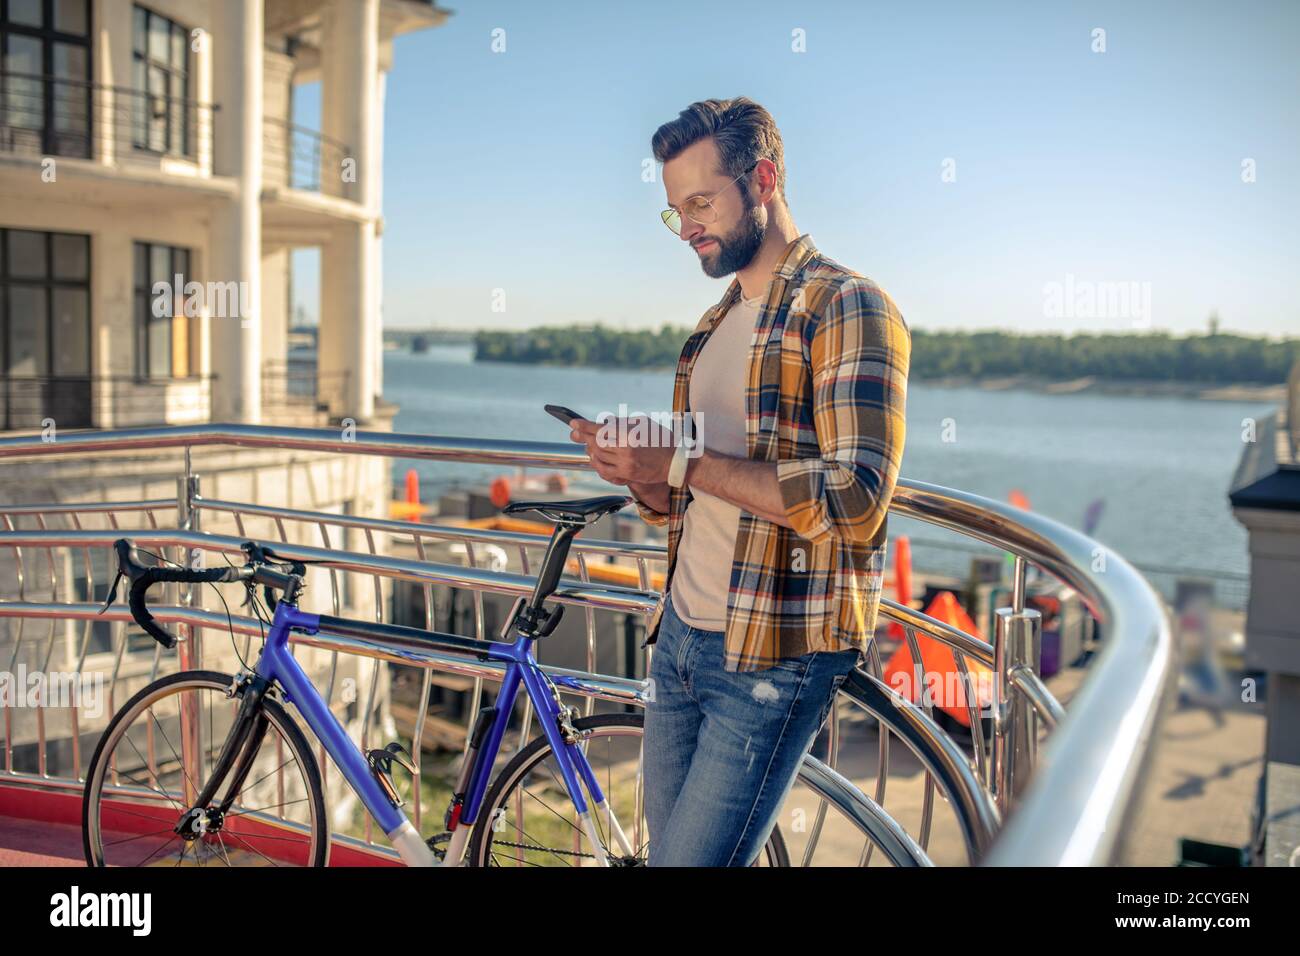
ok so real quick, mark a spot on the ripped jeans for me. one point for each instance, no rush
(722, 748)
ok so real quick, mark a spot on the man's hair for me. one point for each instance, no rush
(743, 131)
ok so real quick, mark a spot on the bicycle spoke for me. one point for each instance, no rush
(167, 741)
(140, 836)
(157, 788)
(287, 803)
(155, 852)
(261, 778)
(253, 848)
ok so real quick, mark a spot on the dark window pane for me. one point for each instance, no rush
(26, 12)
(157, 109)
(138, 30)
(139, 101)
(71, 332)
(176, 104)
(27, 254)
(70, 16)
(24, 96)
(142, 305)
(178, 47)
(71, 61)
(160, 265)
(160, 348)
(27, 331)
(71, 257)
(141, 267)
(71, 114)
(181, 261)
(158, 39)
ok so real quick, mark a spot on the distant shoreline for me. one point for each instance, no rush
(1088, 385)
(1218, 392)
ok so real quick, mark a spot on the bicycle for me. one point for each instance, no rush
(166, 808)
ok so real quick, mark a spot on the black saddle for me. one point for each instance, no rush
(579, 510)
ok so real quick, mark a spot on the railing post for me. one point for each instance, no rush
(1017, 642)
(188, 650)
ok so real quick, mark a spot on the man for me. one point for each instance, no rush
(777, 523)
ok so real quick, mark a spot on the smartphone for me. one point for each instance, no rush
(565, 415)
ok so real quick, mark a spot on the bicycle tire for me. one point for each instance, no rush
(210, 680)
(534, 754)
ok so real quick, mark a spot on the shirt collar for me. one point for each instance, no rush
(794, 258)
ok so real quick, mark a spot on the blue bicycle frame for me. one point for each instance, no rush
(278, 665)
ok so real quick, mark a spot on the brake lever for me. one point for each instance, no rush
(112, 592)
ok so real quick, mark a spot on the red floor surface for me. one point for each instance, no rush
(40, 828)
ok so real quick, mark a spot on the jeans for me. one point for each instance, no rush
(723, 748)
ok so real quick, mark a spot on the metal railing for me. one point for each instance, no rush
(1068, 802)
(55, 116)
(297, 385)
(301, 158)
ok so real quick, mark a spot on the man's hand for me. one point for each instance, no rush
(626, 451)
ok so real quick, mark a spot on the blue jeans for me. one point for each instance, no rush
(722, 749)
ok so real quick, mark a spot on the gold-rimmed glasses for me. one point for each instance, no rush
(698, 208)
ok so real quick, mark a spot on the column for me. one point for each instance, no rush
(236, 337)
(349, 323)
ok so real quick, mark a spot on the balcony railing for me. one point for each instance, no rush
(300, 158)
(1069, 804)
(54, 116)
(296, 385)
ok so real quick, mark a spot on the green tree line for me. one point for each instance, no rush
(1155, 356)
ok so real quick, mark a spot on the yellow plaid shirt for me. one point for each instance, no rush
(825, 401)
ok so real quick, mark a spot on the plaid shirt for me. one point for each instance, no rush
(825, 401)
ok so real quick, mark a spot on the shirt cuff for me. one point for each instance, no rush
(802, 483)
(648, 514)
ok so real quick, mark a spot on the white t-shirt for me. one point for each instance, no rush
(702, 573)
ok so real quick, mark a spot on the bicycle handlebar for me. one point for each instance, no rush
(143, 577)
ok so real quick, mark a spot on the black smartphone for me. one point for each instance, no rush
(565, 415)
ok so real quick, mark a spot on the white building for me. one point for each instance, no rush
(140, 141)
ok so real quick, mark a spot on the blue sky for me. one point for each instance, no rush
(522, 170)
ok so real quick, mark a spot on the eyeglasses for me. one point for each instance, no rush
(698, 208)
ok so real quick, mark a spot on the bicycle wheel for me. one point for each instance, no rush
(527, 818)
(138, 807)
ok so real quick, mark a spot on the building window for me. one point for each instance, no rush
(161, 77)
(166, 338)
(45, 328)
(45, 90)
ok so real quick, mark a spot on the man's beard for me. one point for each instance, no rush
(738, 248)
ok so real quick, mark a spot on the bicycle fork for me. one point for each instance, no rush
(565, 743)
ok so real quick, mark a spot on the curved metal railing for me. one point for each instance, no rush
(1071, 810)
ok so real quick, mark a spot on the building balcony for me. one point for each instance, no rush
(295, 157)
(294, 391)
(89, 401)
(136, 130)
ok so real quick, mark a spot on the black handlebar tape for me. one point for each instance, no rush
(142, 578)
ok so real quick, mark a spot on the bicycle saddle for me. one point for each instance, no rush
(585, 510)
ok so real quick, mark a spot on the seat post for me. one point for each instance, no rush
(557, 551)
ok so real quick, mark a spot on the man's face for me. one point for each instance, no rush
(730, 243)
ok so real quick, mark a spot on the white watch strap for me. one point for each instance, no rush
(677, 469)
